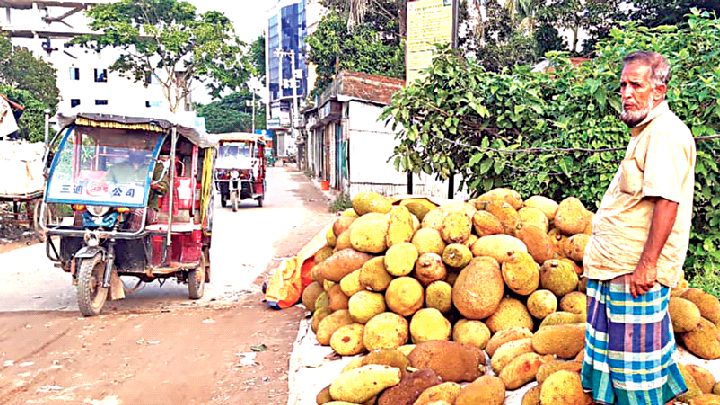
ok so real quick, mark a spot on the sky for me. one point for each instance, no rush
(248, 18)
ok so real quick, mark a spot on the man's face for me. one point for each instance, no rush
(637, 93)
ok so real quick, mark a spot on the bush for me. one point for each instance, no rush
(557, 133)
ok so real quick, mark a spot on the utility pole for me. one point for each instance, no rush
(293, 83)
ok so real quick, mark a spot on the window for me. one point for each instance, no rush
(74, 102)
(101, 102)
(153, 104)
(74, 73)
(100, 75)
(147, 104)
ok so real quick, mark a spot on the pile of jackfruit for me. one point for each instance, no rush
(430, 291)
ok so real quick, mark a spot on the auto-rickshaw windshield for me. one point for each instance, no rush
(104, 166)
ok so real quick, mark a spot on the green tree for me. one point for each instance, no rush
(23, 71)
(256, 54)
(170, 36)
(372, 47)
(232, 113)
(558, 134)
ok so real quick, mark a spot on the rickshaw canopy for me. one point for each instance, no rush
(138, 118)
(240, 137)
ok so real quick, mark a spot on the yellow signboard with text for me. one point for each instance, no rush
(428, 22)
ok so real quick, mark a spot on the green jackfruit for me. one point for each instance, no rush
(457, 255)
(310, 295)
(438, 295)
(366, 202)
(558, 277)
(418, 206)
(542, 303)
(374, 276)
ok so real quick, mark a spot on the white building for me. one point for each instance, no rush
(83, 76)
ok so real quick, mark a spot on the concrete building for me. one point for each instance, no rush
(287, 70)
(83, 75)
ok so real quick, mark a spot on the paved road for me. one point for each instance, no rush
(245, 244)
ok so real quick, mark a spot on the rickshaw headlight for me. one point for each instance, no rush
(97, 211)
(235, 174)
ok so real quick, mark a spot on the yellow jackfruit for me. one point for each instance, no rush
(387, 357)
(401, 228)
(366, 202)
(348, 340)
(471, 332)
(558, 277)
(542, 303)
(385, 331)
(531, 397)
(418, 206)
(361, 384)
(374, 276)
(457, 255)
(342, 263)
(510, 313)
(343, 241)
(429, 324)
(330, 237)
(522, 369)
(563, 387)
(693, 389)
(350, 284)
(447, 392)
(456, 227)
(434, 219)
(429, 268)
(521, 273)
(369, 233)
(438, 295)
(533, 216)
(704, 341)
(708, 305)
(562, 318)
(332, 323)
(504, 336)
(553, 366)
(508, 216)
(574, 302)
(684, 315)
(486, 224)
(574, 248)
(564, 341)
(405, 296)
(479, 288)
(570, 217)
(511, 197)
(400, 259)
(499, 247)
(703, 378)
(364, 305)
(485, 390)
(537, 242)
(318, 316)
(507, 352)
(452, 361)
(544, 204)
(342, 224)
(706, 399)
(428, 240)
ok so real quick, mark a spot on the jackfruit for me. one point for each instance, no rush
(323, 397)
(400, 259)
(499, 247)
(409, 388)
(485, 390)
(522, 369)
(361, 384)
(357, 362)
(456, 227)
(418, 206)
(429, 324)
(574, 302)
(330, 324)
(369, 233)
(704, 341)
(684, 315)
(428, 240)
(452, 361)
(564, 341)
(330, 237)
(505, 336)
(537, 242)
(438, 295)
(323, 254)
(563, 387)
(401, 228)
(471, 240)
(387, 357)
(405, 296)
(556, 365)
(350, 213)
(508, 216)
(574, 248)
(589, 216)
(348, 340)
(385, 331)
(318, 316)
(703, 378)
(366, 202)
(342, 263)
(570, 217)
(542, 303)
(406, 349)
(547, 206)
(521, 273)
(558, 240)
(486, 224)
(456, 206)
(533, 216)
(343, 241)
(434, 219)
(310, 295)
(558, 277)
(474, 333)
(457, 255)
(693, 389)
(509, 351)
(574, 265)
(350, 284)
(322, 301)
(338, 299)
(364, 305)
(342, 224)
(429, 268)
(511, 197)
(562, 318)
(708, 305)
(510, 313)
(532, 396)
(479, 288)
(447, 392)
(374, 276)
(706, 399)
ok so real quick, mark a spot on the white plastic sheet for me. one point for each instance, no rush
(21, 167)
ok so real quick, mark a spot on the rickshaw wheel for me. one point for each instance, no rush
(91, 296)
(234, 198)
(260, 202)
(196, 280)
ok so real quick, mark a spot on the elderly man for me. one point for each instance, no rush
(638, 246)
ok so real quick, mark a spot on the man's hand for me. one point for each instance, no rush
(643, 279)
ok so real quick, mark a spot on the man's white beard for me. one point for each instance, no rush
(631, 119)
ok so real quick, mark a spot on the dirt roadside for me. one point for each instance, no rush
(229, 354)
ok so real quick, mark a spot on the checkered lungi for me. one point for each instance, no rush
(629, 345)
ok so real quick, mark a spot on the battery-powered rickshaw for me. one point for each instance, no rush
(240, 168)
(140, 192)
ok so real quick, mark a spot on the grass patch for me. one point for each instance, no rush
(708, 281)
(341, 203)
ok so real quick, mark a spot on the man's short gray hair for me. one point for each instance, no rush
(659, 66)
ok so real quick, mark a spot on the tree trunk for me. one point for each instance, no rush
(402, 16)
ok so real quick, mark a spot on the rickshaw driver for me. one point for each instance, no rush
(133, 171)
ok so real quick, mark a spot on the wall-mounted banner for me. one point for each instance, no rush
(428, 22)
